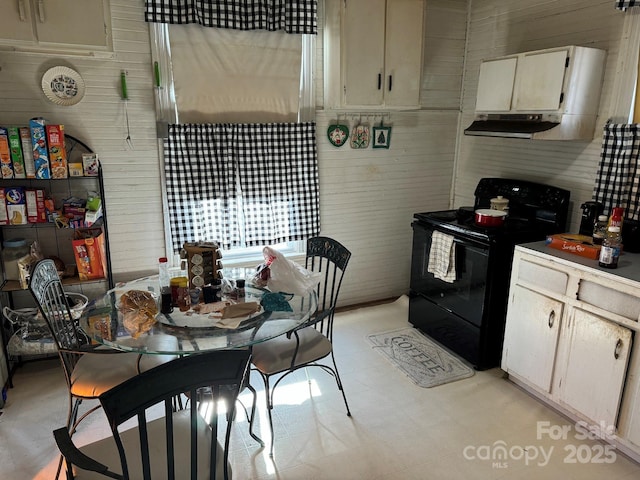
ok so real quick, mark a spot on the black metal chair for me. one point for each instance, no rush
(311, 342)
(164, 443)
(89, 370)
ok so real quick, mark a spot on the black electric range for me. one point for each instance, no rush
(467, 314)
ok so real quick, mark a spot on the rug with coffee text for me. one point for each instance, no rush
(420, 358)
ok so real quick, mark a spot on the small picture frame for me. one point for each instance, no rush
(381, 137)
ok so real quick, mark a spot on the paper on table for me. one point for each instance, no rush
(240, 309)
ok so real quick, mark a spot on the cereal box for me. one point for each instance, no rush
(16, 205)
(4, 220)
(57, 152)
(27, 151)
(16, 153)
(91, 164)
(39, 146)
(34, 198)
(76, 169)
(5, 154)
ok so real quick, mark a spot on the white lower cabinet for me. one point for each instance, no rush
(569, 339)
(534, 320)
(592, 370)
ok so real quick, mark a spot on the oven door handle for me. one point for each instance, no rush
(471, 246)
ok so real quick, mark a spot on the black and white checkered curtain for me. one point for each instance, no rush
(259, 179)
(618, 175)
(291, 16)
(624, 4)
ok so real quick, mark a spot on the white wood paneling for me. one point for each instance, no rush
(132, 180)
(367, 196)
(500, 27)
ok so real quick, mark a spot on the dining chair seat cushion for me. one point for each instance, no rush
(96, 373)
(274, 356)
(105, 451)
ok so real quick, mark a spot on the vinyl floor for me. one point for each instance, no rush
(482, 427)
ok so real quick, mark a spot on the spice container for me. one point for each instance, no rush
(240, 288)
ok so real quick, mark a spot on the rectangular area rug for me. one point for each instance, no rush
(420, 358)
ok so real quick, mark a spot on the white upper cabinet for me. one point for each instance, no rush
(495, 84)
(564, 80)
(381, 53)
(56, 25)
(541, 80)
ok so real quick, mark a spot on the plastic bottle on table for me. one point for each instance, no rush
(163, 272)
(611, 247)
(600, 230)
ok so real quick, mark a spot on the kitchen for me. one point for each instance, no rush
(428, 167)
(367, 197)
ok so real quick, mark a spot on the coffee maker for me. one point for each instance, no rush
(590, 212)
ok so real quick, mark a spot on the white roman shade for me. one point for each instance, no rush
(235, 76)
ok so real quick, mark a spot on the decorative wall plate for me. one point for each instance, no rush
(63, 86)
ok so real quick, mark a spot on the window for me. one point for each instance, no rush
(215, 47)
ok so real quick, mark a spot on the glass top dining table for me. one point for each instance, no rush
(188, 332)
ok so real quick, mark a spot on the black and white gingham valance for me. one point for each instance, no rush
(291, 16)
(618, 175)
(624, 4)
(258, 179)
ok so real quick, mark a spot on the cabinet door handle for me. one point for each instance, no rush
(41, 11)
(616, 351)
(21, 11)
(379, 81)
(552, 318)
(390, 82)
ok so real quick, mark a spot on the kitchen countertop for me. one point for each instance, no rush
(628, 264)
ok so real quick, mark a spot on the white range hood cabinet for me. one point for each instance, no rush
(550, 94)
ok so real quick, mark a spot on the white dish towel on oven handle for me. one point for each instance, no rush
(442, 257)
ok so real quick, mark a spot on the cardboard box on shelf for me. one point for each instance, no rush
(5, 154)
(90, 164)
(27, 151)
(39, 148)
(574, 243)
(4, 219)
(17, 159)
(35, 205)
(16, 205)
(57, 151)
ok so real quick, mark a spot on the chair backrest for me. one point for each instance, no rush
(220, 373)
(46, 288)
(329, 257)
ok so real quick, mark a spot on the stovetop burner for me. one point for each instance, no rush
(535, 210)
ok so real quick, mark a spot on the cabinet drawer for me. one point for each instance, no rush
(608, 299)
(546, 278)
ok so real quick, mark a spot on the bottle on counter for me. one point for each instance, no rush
(616, 217)
(600, 229)
(611, 246)
(163, 272)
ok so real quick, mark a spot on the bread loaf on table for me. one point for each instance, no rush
(139, 309)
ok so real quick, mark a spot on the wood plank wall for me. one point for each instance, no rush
(133, 198)
(367, 197)
(501, 27)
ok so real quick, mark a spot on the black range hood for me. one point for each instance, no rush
(511, 126)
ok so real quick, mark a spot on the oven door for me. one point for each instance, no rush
(466, 295)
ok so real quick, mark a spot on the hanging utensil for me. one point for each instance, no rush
(125, 97)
